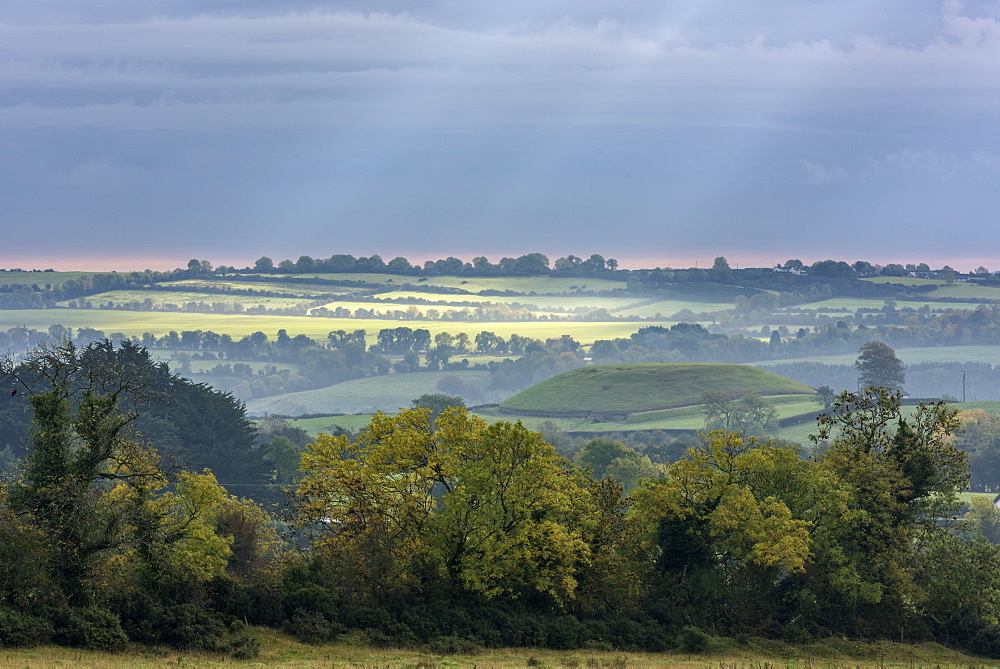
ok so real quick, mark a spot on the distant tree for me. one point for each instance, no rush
(879, 367)
(532, 263)
(831, 268)
(399, 263)
(825, 396)
(264, 264)
(893, 269)
(751, 414)
(597, 454)
(863, 268)
(437, 403)
(305, 264)
(794, 264)
(721, 272)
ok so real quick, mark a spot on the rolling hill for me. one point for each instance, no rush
(645, 387)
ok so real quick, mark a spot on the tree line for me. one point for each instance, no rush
(435, 529)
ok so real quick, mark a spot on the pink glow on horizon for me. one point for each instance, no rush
(738, 260)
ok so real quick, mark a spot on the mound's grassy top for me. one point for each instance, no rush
(645, 387)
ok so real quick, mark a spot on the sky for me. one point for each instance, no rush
(143, 134)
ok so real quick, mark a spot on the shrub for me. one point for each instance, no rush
(19, 629)
(92, 628)
(312, 627)
(192, 627)
(694, 640)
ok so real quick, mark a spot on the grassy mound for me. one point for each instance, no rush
(647, 387)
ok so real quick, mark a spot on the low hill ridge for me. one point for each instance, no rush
(645, 387)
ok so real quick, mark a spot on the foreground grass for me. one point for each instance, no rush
(280, 650)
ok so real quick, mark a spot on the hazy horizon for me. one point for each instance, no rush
(736, 261)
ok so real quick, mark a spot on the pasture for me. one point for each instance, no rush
(179, 299)
(42, 278)
(639, 387)
(569, 302)
(852, 304)
(912, 356)
(160, 323)
(965, 291)
(905, 280)
(355, 652)
(517, 284)
(366, 395)
(356, 422)
(291, 289)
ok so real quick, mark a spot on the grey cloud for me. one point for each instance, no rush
(301, 60)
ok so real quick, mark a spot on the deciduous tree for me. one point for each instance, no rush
(879, 367)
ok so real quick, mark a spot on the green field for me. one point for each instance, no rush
(367, 395)
(988, 407)
(178, 298)
(965, 291)
(356, 422)
(238, 325)
(668, 308)
(912, 356)
(419, 309)
(645, 387)
(904, 280)
(353, 651)
(541, 302)
(327, 424)
(42, 278)
(293, 289)
(847, 305)
(518, 284)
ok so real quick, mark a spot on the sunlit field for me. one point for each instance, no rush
(41, 278)
(238, 325)
(178, 298)
(518, 284)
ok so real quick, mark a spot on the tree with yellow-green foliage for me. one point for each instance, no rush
(724, 525)
(117, 555)
(490, 509)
